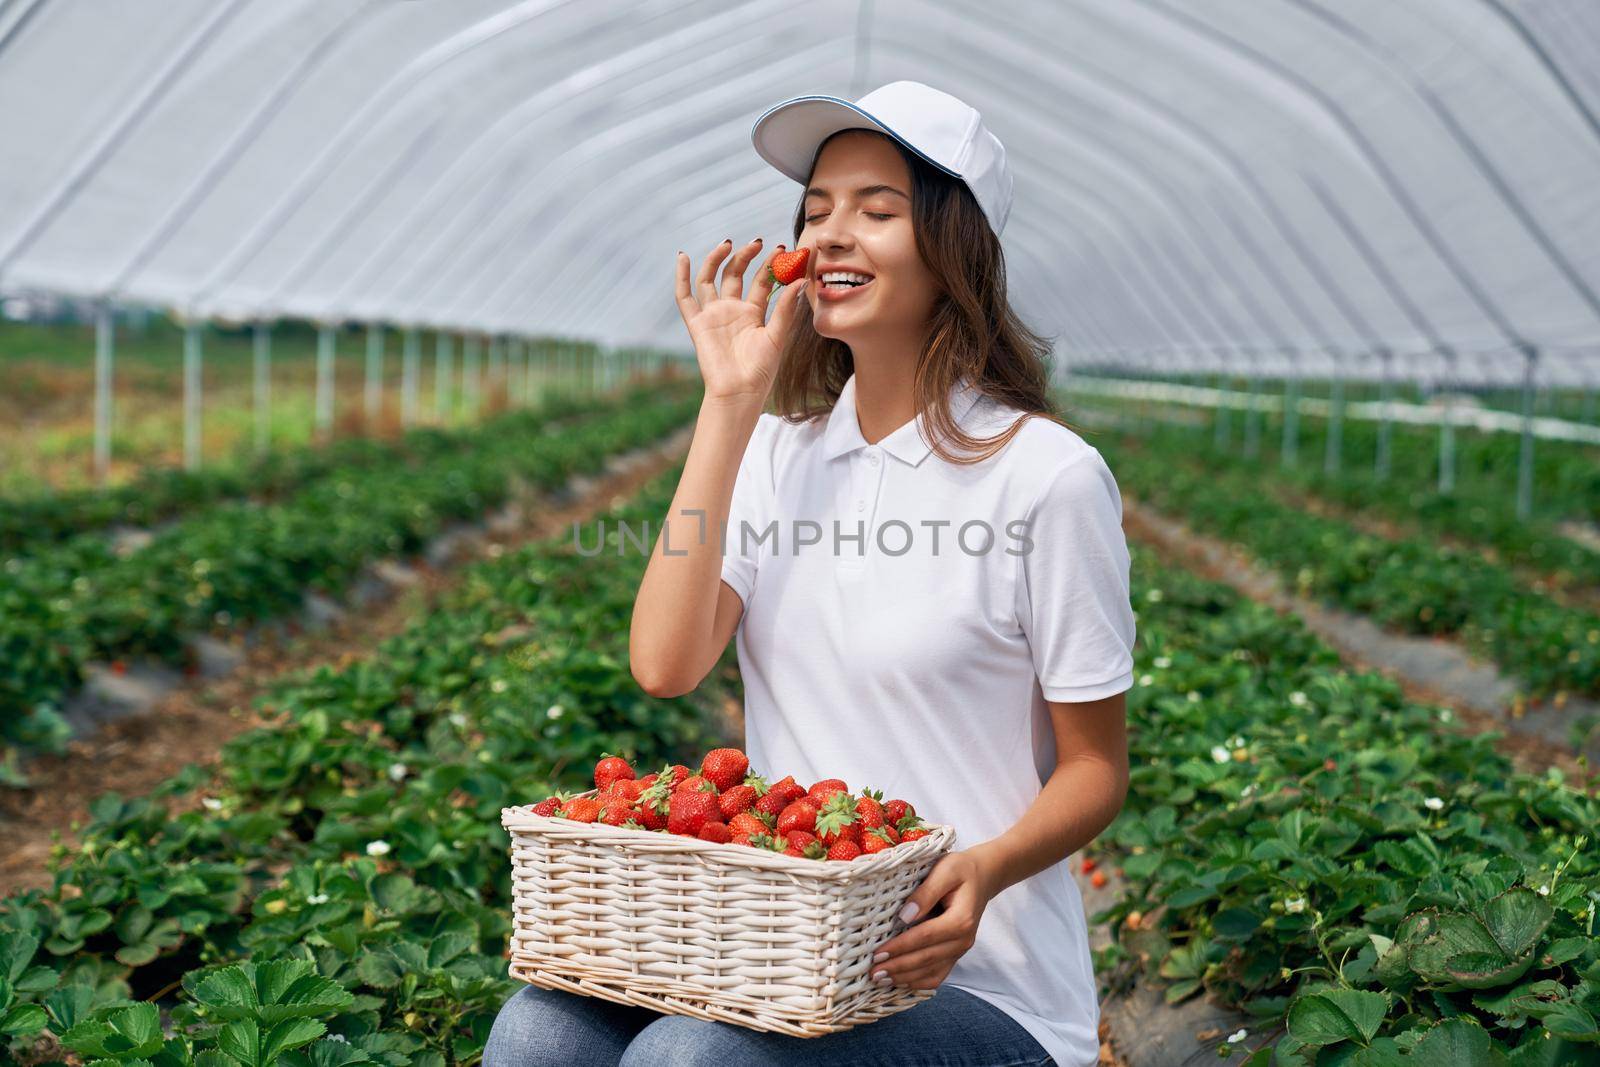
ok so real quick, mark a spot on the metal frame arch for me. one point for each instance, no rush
(351, 132)
(1396, 188)
(502, 134)
(1385, 60)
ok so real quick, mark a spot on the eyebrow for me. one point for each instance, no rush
(861, 193)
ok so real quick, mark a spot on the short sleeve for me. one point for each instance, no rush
(750, 505)
(1073, 585)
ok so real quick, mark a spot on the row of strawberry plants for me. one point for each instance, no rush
(339, 891)
(1408, 583)
(238, 563)
(158, 494)
(1566, 474)
(1478, 512)
(1303, 842)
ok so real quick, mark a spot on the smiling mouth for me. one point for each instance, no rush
(840, 290)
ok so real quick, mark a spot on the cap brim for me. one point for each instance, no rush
(788, 134)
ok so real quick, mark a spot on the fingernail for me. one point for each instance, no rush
(909, 912)
(727, 240)
(879, 976)
(880, 957)
(758, 240)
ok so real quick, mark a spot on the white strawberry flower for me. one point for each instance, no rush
(1298, 699)
(1163, 662)
(211, 803)
(1194, 696)
(498, 685)
(338, 1037)
(1220, 754)
(1238, 1036)
(458, 720)
(555, 711)
(1294, 905)
(377, 848)
(1147, 679)
(1445, 715)
(398, 771)
(1433, 803)
(1544, 891)
(1247, 790)
(317, 898)
(1153, 596)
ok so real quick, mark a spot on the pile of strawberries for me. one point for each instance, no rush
(724, 802)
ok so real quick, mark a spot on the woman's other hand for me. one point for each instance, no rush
(737, 347)
(922, 956)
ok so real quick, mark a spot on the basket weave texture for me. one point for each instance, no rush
(721, 932)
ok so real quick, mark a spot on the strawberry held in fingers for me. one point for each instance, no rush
(725, 766)
(789, 266)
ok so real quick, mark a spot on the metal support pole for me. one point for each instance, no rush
(410, 372)
(104, 352)
(1525, 457)
(526, 350)
(1385, 422)
(324, 425)
(1447, 426)
(469, 374)
(1334, 454)
(1252, 421)
(263, 385)
(191, 396)
(1220, 422)
(1291, 422)
(513, 374)
(496, 375)
(374, 404)
(443, 376)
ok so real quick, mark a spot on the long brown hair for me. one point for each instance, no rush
(974, 332)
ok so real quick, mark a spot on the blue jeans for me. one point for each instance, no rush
(549, 1028)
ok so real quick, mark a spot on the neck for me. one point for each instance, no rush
(885, 389)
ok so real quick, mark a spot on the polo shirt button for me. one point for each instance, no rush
(873, 459)
(861, 505)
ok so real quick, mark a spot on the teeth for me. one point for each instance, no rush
(844, 276)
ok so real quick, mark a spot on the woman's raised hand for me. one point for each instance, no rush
(737, 347)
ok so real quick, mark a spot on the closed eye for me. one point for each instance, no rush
(874, 214)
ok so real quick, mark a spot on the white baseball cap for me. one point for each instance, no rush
(944, 131)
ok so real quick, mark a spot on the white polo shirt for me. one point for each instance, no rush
(906, 619)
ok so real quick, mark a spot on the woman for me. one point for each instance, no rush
(928, 581)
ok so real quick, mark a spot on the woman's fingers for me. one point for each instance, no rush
(761, 289)
(733, 277)
(688, 306)
(783, 315)
(705, 283)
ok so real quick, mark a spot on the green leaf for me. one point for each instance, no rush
(23, 1019)
(242, 1041)
(291, 1033)
(1335, 1015)
(1458, 1042)
(1516, 919)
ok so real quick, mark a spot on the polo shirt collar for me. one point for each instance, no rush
(909, 443)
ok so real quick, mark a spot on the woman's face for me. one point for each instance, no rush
(867, 234)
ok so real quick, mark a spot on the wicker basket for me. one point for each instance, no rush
(722, 932)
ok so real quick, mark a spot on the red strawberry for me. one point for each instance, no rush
(1088, 864)
(690, 809)
(744, 825)
(1098, 879)
(119, 667)
(653, 804)
(618, 812)
(725, 766)
(716, 831)
(549, 804)
(913, 833)
(739, 798)
(678, 772)
(826, 788)
(801, 815)
(869, 809)
(772, 804)
(609, 769)
(837, 820)
(876, 840)
(894, 835)
(581, 809)
(648, 780)
(844, 850)
(787, 788)
(789, 266)
(697, 784)
(811, 850)
(896, 810)
(768, 842)
(800, 838)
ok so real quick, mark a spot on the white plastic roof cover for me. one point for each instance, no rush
(1271, 184)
